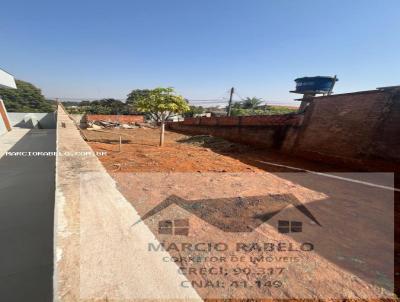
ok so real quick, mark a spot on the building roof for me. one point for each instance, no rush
(7, 80)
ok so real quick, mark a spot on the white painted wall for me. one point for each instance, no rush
(7, 80)
(32, 120)
(3, 128)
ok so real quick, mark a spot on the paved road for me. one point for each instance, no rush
(26, 217)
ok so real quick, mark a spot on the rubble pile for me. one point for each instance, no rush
(102, 124)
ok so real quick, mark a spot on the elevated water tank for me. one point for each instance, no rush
(315, 85)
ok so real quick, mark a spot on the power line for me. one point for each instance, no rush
(222, 100)
(239, 96)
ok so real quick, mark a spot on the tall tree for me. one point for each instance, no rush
(108, 106)
(251, 103)
(160, 103)
(193, 110)
(26, 98)
(136, 94)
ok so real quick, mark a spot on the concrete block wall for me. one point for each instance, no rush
(126, 119)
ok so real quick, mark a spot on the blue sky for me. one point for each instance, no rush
(91, 49)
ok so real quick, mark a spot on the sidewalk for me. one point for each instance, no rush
(99, 256)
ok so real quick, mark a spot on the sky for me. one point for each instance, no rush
(97, 49)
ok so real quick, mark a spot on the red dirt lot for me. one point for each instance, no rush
(185, 153)
(140, 153)
(221, 208)
(221, 198)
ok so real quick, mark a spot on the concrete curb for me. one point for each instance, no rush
(91, 260)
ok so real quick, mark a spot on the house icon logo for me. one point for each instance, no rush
(234, 215)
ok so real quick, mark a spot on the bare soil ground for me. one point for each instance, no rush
(181, 153)
(342, 265)
(185, 153)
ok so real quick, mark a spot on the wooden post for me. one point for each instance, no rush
(162, 130)
(120, 142)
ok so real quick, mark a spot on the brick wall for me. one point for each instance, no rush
(360, 129)
(355, 128)
(125, 119)
(255, 120)
(268, 131)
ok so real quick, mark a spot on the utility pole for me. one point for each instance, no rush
(230, 101)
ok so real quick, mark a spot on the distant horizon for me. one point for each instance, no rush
(198, 101)
(223, 99)
(210, 102)
(203, 103)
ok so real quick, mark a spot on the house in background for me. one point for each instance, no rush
(6, 81)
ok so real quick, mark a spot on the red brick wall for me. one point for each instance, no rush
(268, 131)
(125, 119)
(271, 120)
(359, 129)
(355, 128)
(255, 120)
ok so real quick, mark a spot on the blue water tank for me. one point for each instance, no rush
(315, 84)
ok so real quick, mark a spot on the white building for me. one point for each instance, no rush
(6, 81)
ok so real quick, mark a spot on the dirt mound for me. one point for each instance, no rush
(215, 143)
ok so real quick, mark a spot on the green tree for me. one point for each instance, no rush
(237, 105)
(137, 94)
(26, 98)
(160, 103)
(84, 104)
(251, 103)
(267, 110)
(108, 106)
(193, 110)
